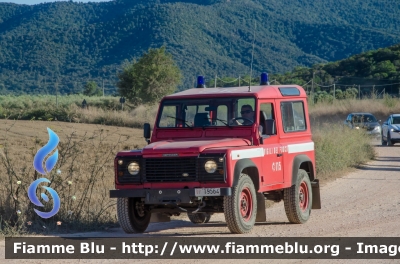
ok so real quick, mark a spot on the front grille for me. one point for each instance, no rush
(169, 169)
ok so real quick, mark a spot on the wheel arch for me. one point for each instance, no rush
(302, 162)
(248, 167)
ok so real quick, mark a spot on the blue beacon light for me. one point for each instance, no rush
(200, 82)
(264, 79)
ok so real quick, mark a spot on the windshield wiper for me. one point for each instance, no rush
(180, 119)
(222, 121)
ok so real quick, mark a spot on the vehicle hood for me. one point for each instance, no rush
(191, 146)
(395, 126)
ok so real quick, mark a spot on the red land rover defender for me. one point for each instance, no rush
(211, 153)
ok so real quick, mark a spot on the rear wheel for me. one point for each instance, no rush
(199, 218)
(298, 199)
(240, 209)
(132, 215)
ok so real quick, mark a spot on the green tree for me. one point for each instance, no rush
(153, 76)
(91, 89)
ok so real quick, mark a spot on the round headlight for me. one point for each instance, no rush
(133, 168)
(210, 166)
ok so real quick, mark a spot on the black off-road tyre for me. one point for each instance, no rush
(240, 209)
(207, 218)
(298, 199)
(132, 217)
(199, 218)
(389, 140)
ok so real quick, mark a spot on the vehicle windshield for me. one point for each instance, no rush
(396, 120)
(204, 112)
(364, 119)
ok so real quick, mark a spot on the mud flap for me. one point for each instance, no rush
(159, 217)
(316, 198)
(261, 216)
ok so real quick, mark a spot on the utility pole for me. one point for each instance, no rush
(57, 93)
(334, 91)
(103, 87)
(239, 83)
(215, 82)
(312, 88)
(373, 92)
(359, 93)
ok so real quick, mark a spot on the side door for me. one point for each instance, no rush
(295, 134)
(272, 167)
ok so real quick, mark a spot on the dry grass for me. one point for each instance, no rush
(338, 111)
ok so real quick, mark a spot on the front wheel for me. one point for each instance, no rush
(389, 140)
(132, 215)
(298, 199)
(240, 209)
(384, 143)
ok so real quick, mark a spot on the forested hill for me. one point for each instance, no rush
(63, 45)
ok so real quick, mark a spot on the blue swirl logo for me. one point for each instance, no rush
(50, 162)
(35, 200)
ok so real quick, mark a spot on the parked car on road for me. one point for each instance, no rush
(391, 130)
(365, 121)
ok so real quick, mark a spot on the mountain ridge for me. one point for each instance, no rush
(66, 44)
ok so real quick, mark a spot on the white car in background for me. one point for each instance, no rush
(391, 130)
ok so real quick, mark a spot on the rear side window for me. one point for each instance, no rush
(293, 118)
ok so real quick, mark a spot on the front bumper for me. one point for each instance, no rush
(164, 196)
(395, 136)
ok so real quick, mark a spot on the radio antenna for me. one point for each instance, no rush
(252, 55)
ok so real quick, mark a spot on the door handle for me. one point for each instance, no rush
(279, 155)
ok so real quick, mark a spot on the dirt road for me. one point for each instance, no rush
(364, 203)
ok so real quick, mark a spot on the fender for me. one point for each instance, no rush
(297, 161)
(248, 164)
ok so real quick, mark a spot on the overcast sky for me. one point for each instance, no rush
(34, 2)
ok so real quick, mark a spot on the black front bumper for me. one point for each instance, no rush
(163, 196)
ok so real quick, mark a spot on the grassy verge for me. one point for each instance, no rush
(338, 148)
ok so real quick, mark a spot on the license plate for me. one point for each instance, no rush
(208, 192)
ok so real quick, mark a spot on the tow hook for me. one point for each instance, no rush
(202, 205)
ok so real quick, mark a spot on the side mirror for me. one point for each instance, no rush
(146, 132)
(270, 127)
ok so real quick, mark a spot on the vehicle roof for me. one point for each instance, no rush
(260, 91)
(395, 114)
(360, 113)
